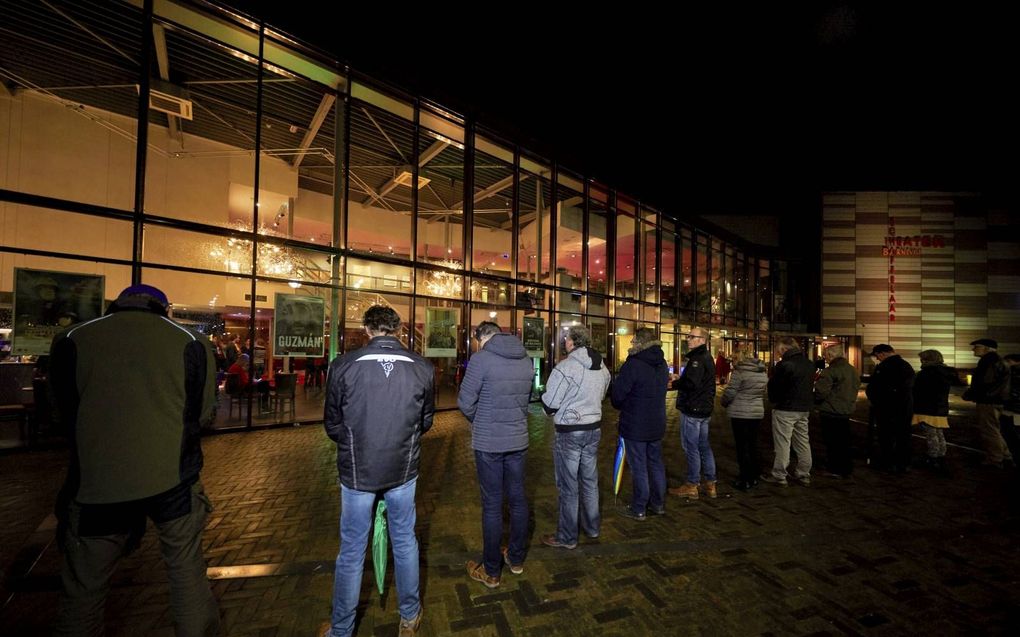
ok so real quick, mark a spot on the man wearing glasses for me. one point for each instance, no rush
(695, 399)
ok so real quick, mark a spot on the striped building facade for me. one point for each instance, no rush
(920, 270)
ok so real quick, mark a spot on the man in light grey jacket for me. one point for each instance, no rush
(573, 395)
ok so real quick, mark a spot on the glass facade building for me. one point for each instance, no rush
(252, 178)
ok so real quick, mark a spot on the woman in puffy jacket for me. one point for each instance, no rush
(745, 405)
(931, 404)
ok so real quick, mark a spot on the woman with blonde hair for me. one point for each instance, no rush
(744, 400)
(931, 404)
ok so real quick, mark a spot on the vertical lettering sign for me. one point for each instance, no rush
(904, 246)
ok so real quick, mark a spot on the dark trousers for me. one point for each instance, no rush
(836, 432)
(648, 474)
(894, 441)
(500, 473)
(745, 435)
(1010, 435)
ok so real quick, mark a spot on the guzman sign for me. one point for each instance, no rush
(299, 325)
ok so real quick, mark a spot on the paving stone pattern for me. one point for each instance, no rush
(876, 555)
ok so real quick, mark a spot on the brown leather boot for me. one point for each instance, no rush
(687, 490)
(710, 489)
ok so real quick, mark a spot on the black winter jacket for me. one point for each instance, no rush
(494, 395)
(791, 387)
(380, 400)
(1013, 396)
(990, 381)
(639, 392)
(696, 386)
(931, 390)
(890, 389)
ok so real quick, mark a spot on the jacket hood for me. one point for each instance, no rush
(587, 356)
(750, 365)
(650, 355)
(644, 346)
(506, 346)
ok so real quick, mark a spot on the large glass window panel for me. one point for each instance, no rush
(687, 288)
(626, 309)
(379, 204)
(442, 329)
(569, 231)
(203, 168)
(649, 259)
(729, 281)
(171, 246)
(374, 275)
(667, 266)
(32, 228)
(535, 208)
(627, 263)
(534, 329)
(701, 272)
(492, 233)
(564, 321)
(441, 194)
(220, 307)
(440, 282)
(294, 325)
(716, 288)
(69, 103)
(598, 238)
(492, 291)
(598, 305)
(622, 336)
(764, 282)
(740, 286)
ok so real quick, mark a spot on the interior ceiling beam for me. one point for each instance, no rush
(325, 104)
(163, 62)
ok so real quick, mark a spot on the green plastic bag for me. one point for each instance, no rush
(380, 545)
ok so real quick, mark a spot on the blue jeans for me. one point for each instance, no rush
(357, 515)
(694, 439)
(575, 460)
(646, 468)
(499, 472)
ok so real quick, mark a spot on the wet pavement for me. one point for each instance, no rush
(876, 555)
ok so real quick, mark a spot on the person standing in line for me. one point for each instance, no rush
(379, 403)
(890, 391)
(988, 390)
(836, 398)
(1010, 417)
(722, 368)
(639, 392)
(573, 395)
(931, 405)
(494, 398)
(696, 399)
(136, 455)
(790, 392)
(744, 400)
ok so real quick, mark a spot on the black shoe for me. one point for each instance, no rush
(655, 511)
(628, 512)
(741, 485)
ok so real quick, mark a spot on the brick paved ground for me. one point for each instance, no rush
(877, 555)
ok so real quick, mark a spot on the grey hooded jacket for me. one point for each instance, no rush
(745, 394)
(575, 390)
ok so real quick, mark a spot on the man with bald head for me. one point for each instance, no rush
(695, 399)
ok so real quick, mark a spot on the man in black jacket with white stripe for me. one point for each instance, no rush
(379, 402)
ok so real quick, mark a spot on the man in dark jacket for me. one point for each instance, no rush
(890, 391)
(695, 399)
(639, 392)
(136, 454)
(379, 402)
(988, 389)
(836, 397)
(494, 397)
(790, 392)
(1010, 417)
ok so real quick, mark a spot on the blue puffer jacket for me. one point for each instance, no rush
(639, 392)
(494, 395)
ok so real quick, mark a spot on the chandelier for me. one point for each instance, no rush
(443, 283)
(235, 254)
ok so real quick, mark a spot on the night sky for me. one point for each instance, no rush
(730, 109)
